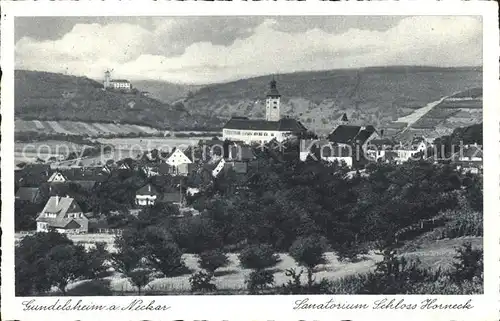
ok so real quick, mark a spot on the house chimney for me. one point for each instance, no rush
(57, 200)
(381, 133)
(149, 188)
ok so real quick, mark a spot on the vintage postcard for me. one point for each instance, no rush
(250, 161)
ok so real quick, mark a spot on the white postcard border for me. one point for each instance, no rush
(260, 307)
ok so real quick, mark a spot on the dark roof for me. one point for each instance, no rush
(241, 152)
(27, 193)
(170, 197)
(382, 142)
(120, 80)
(348, 134)
(284, 124)
(344, 134)
(147, 189)
(364, 134)
(344, 117)
(79, 174)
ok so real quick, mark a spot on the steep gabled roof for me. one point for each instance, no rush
(60, 206)
(349, 134)
(344, 134)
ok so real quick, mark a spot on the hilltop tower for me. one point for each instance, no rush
(107, 79)
(273, 100)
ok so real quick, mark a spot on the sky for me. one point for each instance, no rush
(202, 50)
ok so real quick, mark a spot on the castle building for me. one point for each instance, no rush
(117, 84)
(264, 130)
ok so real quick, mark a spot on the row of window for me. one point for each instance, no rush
(245, 133)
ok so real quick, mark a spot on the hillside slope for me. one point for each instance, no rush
(376, 96)
(52, 96)
(165, 91)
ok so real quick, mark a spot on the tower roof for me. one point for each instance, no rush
(273, 92)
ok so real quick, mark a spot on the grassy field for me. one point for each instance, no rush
(432, 253)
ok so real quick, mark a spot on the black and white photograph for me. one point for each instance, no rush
(249, 155)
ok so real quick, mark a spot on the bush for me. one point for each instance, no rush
(294, 285)
(468, 265)
(259, 281)
(397, 275)
(202, 281)
(212, 260)
(258, 257)
(463, 222)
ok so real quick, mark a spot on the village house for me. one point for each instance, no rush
(263, 130)
(350, 135)
(63, 215)
(85, 178)
(410, 150)
(180, 163)
(379, 149)
(146, 195)
(173, 196)
(469, 159)
(326, 151)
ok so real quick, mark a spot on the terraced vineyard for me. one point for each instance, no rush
(459, 110)
(82, 128)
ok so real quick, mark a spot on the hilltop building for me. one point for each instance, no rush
(117, 84)
(263, 130)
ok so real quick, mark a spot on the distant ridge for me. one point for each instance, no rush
(371, 95)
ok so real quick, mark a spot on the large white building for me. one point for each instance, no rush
(263, 130)
(117, 84)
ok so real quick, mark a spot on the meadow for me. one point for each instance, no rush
(432, 254)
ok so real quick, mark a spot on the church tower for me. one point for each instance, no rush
(273, 102)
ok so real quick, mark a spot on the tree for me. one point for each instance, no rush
(309, 252)
(31, 267)
(126, 258)
(259, 280)
(63, 265)
(162, 252)
(212, 260)
(468, 263)
(140, 277)
(202, 281)
(258, 257)
(96, 258)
